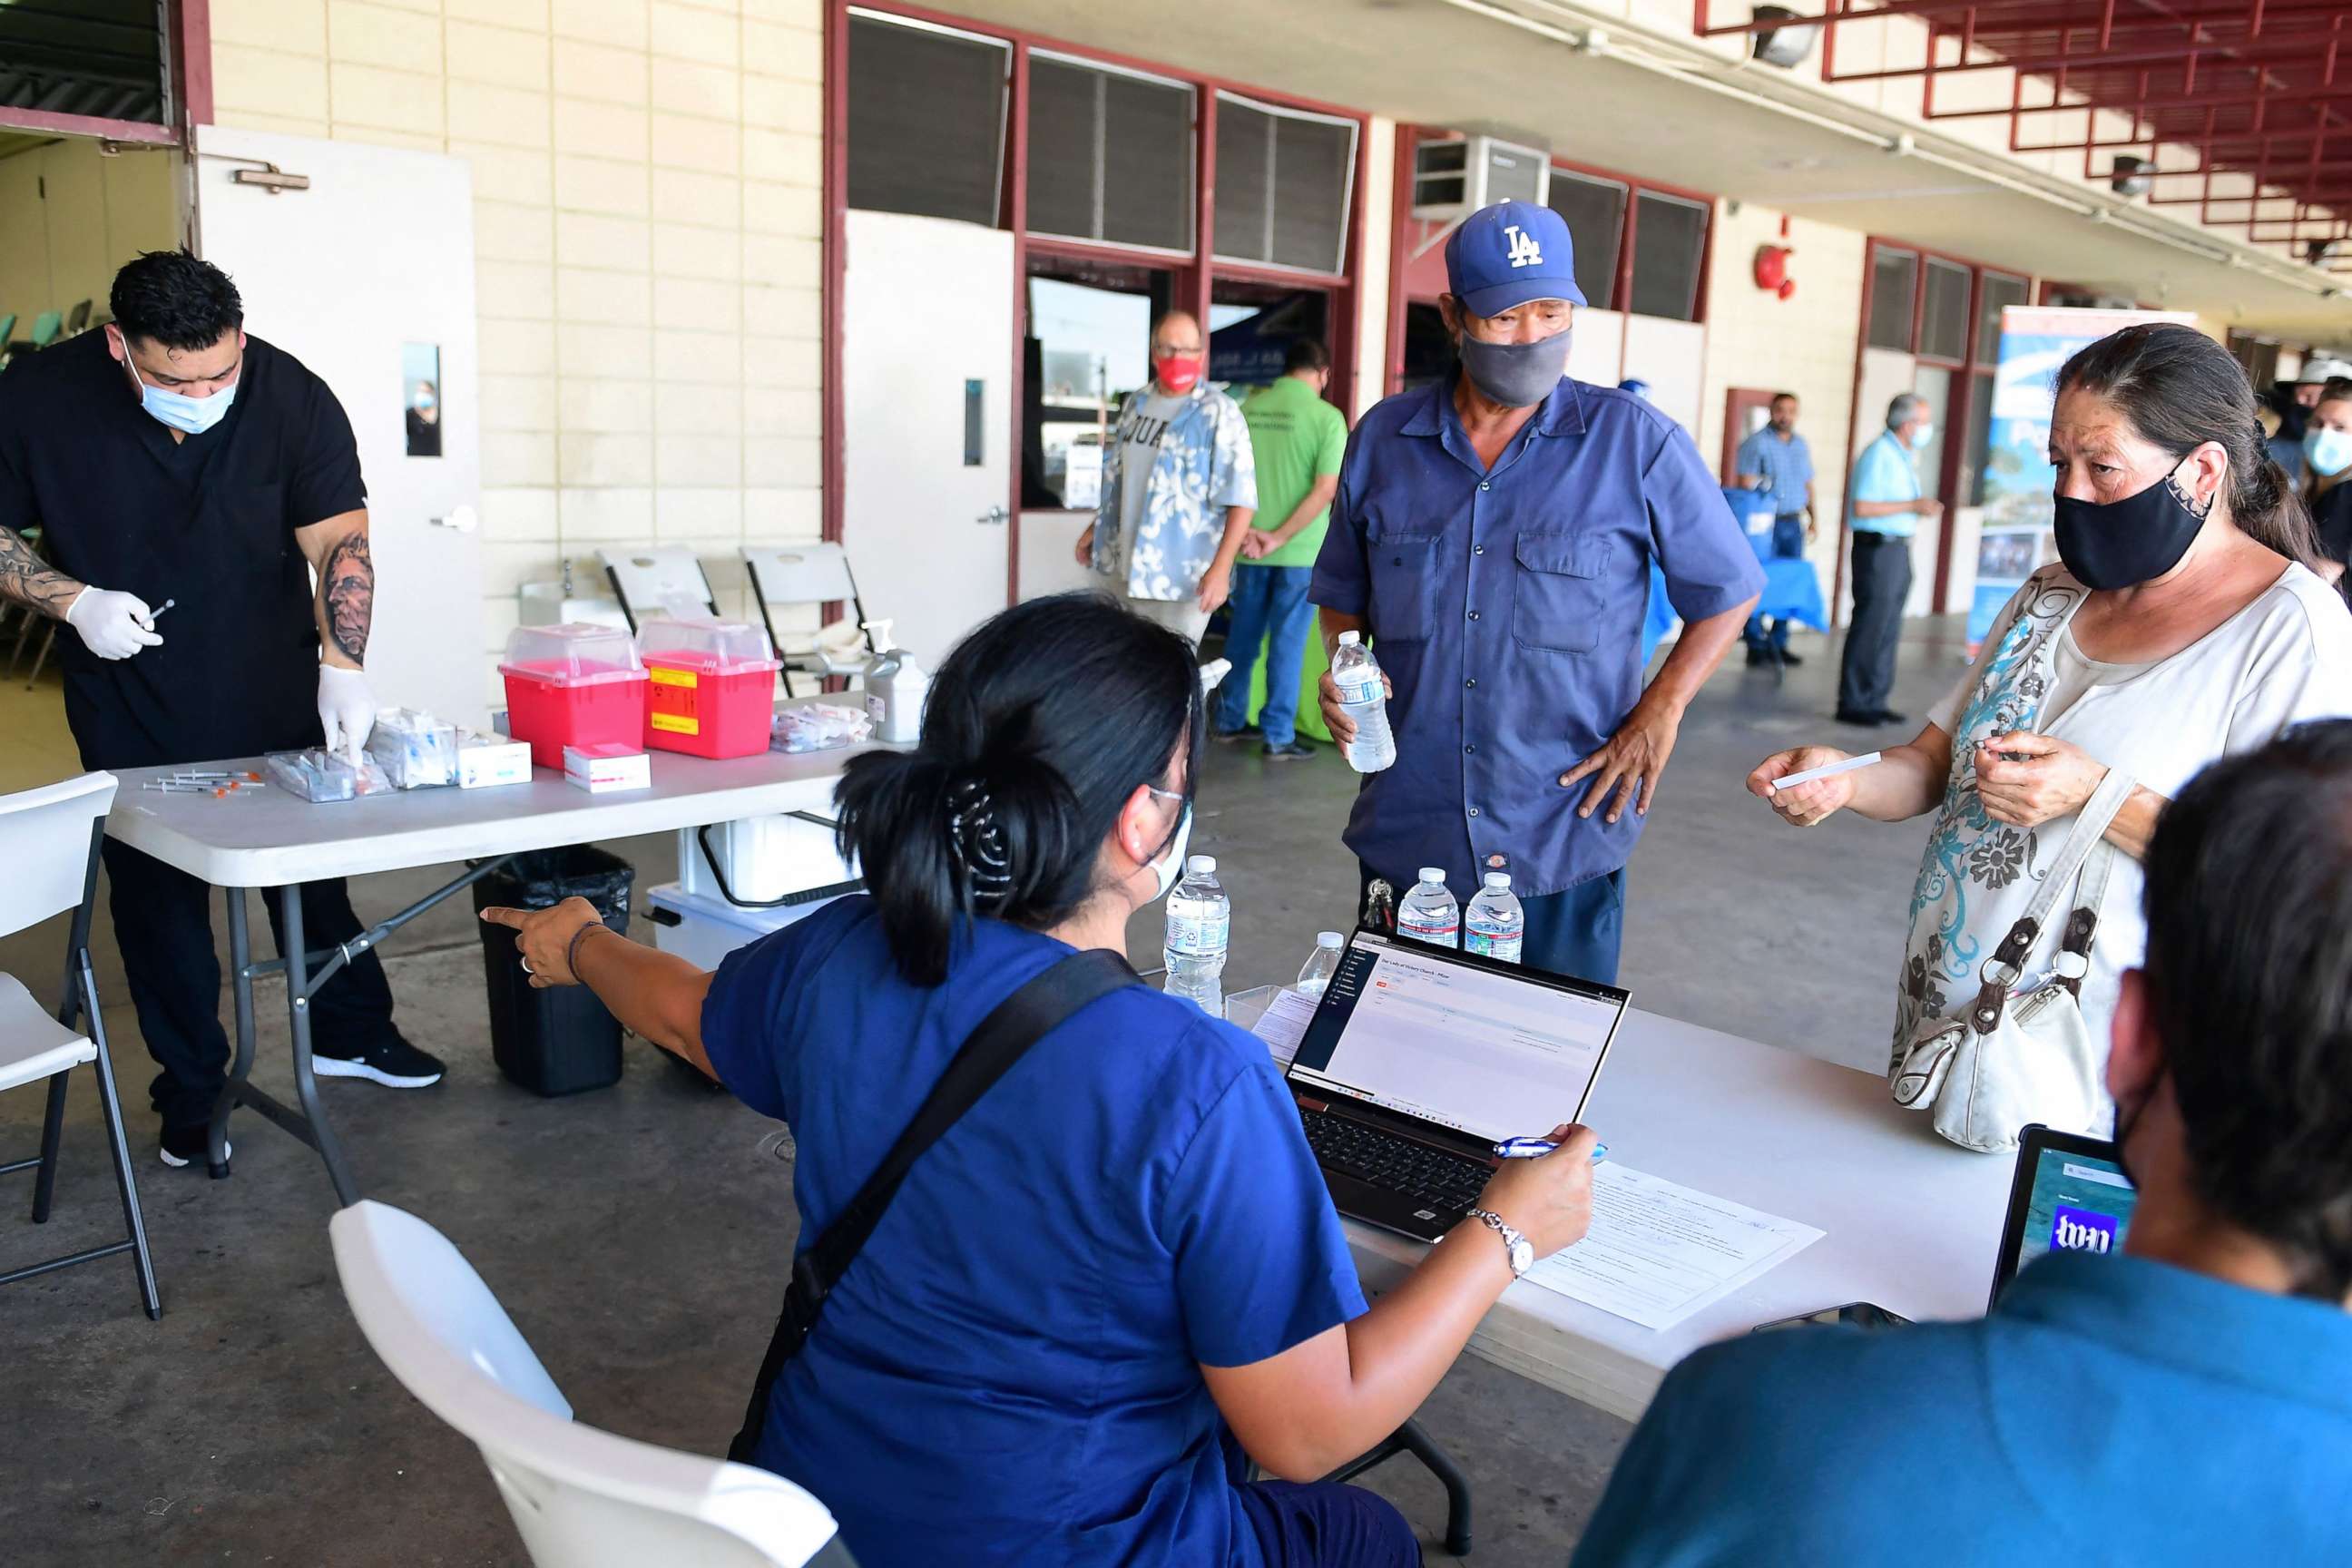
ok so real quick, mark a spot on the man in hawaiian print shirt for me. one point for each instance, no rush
(1180, 488)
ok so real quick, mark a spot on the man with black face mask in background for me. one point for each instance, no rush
(1493, 536)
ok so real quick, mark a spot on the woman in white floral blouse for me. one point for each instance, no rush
(2182, 623)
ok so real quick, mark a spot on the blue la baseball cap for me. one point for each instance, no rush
(1509, 254)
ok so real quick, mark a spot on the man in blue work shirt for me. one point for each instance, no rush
(1884, 506)
(1493, 535)
(1775, 462)
(2183, 1401)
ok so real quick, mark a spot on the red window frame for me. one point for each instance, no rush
(1961, 403)
(1196, 271)
(188, 71)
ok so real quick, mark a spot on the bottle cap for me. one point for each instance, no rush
(1349, 640)
(1202, 865)
(1498, 879)
(1432, 874)
(1329, 938)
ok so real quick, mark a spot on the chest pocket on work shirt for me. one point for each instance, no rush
(1556, 600)
(1400, 566)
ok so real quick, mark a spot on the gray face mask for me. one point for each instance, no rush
(1514, 374)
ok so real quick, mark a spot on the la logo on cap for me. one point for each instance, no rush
(1523, 251)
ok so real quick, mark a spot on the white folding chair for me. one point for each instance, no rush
(783, 576)
(581, 1498)
(653, 581)
(48, 844)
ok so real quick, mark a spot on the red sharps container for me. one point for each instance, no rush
(573, 685)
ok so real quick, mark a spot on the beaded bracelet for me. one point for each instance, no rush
(572, 954)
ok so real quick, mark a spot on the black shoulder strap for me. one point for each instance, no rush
(1020, 1021)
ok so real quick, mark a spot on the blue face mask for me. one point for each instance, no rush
(194, 415)
(2329, 452)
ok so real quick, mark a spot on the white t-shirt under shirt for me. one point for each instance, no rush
(2284, 658)
(1138, 445)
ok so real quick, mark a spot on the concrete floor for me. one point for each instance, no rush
(639, 1236)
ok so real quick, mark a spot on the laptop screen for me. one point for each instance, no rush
(2069, 1195)
(1480, 1046)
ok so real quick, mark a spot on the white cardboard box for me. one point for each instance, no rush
(603, 769)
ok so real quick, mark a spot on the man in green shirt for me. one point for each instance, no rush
(1298, 440)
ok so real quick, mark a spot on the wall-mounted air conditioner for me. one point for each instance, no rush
(1451, 179)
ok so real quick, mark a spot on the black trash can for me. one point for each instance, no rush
(560, 1040)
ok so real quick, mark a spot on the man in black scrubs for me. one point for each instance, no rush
(172, 458)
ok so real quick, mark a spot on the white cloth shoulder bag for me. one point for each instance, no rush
(2012, 1058)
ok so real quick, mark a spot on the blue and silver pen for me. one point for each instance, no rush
(1534, 1148)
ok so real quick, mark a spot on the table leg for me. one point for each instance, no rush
(240, 964)
(306, 1083)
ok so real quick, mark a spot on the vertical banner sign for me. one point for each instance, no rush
(2036, 341)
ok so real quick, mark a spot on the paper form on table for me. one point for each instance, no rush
(1658, 1251)
(1284, 1023)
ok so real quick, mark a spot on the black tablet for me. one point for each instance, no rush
(2070, 1194)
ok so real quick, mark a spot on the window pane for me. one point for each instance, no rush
(1595, 210)
(1252, 327)
(1062, 126)
(1998, 293)
(1944, 318)
(1146, 177)
(1089, 336)
(1979, 439)
(1893, 276)
(925, 120)
(1669, 241)
(1244, 180)
(1314, 171)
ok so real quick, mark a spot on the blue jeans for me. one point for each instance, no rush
(1320, 1524)
(1578, 932)
(1788, 544)
(1269, 604)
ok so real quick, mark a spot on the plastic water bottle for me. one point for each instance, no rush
(1428, 913)
(1364, 699)
(1495, 924)
(1315, 974)
(1199, 924)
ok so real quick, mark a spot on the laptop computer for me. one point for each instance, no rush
(2070, 1194)
(1420, 1060)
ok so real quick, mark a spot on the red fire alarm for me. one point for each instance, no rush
(1772, 270)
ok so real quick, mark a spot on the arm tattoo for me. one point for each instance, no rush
(26, 579)
(347, 588)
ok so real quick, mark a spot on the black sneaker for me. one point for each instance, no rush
(1289, 753)
(1790, 660)
(184, 1145)
(395, 1063)
(1235, 737)
(1889, 716)
(1865, 721)
(1758, 658)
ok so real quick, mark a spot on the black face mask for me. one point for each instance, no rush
(2122, 542)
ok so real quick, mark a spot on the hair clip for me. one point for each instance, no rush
(978, 841)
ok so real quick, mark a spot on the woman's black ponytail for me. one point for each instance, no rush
(1039, 726)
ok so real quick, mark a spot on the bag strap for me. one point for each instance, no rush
(1003, 1038)
(2003, 969)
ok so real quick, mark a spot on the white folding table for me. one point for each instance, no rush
(1910, 1222)
(274, 840)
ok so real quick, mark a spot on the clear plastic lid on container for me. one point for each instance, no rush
(573, 654)
(705, 642)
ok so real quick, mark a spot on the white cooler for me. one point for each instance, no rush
(760, 860)
(703, 927)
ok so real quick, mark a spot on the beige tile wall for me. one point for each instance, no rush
(647, 222)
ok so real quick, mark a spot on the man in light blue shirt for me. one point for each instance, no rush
(1775, 462)
(1884, 506)
(2183, 1401)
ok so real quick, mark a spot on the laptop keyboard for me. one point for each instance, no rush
(1398, 1164)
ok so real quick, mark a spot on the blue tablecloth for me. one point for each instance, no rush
(1792, 589)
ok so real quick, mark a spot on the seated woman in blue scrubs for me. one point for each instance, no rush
(1118, 1278)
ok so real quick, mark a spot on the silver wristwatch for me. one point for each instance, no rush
(1521, 1252)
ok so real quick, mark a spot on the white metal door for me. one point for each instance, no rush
(927, 355)
(357, 276)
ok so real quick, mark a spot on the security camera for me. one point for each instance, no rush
(2130, 176)
(1782, 44)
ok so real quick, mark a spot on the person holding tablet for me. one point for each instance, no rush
(2180, 1401)
(1118, 1277)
